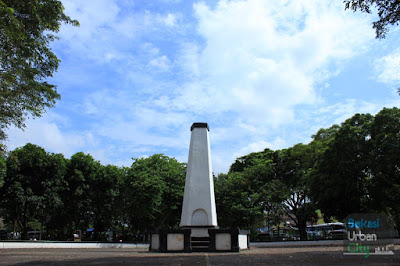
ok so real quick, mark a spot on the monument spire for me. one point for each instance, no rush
(198, 208)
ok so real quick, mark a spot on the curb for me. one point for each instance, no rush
(327, 243)
(83, 245)
(10, 245)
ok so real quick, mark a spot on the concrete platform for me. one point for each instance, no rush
(68, 245)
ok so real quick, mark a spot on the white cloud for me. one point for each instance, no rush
(260, 62)
(170, 20)
(189, 59)
(222, 158)
(45, 132)
(324, 116)
(339, 112)
(162, 63)
(256, 62)
(388, 68)
(109, 30)
(261, 145)
(92, 38)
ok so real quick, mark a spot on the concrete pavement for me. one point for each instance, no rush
(316, 255)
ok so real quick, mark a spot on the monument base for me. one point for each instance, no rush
(195, 240)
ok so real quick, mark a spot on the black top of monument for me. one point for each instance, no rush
(199, 125)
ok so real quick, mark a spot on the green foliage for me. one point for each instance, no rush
(340, 181)
(322, 139)
(345, 169)
(81, 173)
(359, 170)
(104, 191)
(31, 184)
(385, 163)
(55, 185)
(47, 192)
(388, 12)
(174, 174)
(249, 192)
(265, 186)
(245, 161)
(3, 171)
(26, 60)
(153, 189)
(237, 204)
(294, 167)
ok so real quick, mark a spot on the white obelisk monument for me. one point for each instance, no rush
(198, 210)
(199, 230)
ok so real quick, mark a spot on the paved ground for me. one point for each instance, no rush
(255, 256)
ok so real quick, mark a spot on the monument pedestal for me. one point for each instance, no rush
(170, 240)
(183, 240)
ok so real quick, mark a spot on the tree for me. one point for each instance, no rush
(388, 12)
(30, 191)
(82, 170)
(250, 191)
(26, 59)
(322, 139)
(268, 185)
(173, 173)
(251, 159)
(153, 191)
(294, 166)
(385, 164)
(237, 205)
(3, 170)
(54, 186)
(341, 178)
(104, 192)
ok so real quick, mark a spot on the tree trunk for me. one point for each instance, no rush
(278, 233)
(15, 227)
(302, 230)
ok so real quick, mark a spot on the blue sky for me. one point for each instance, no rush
(263, 74)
